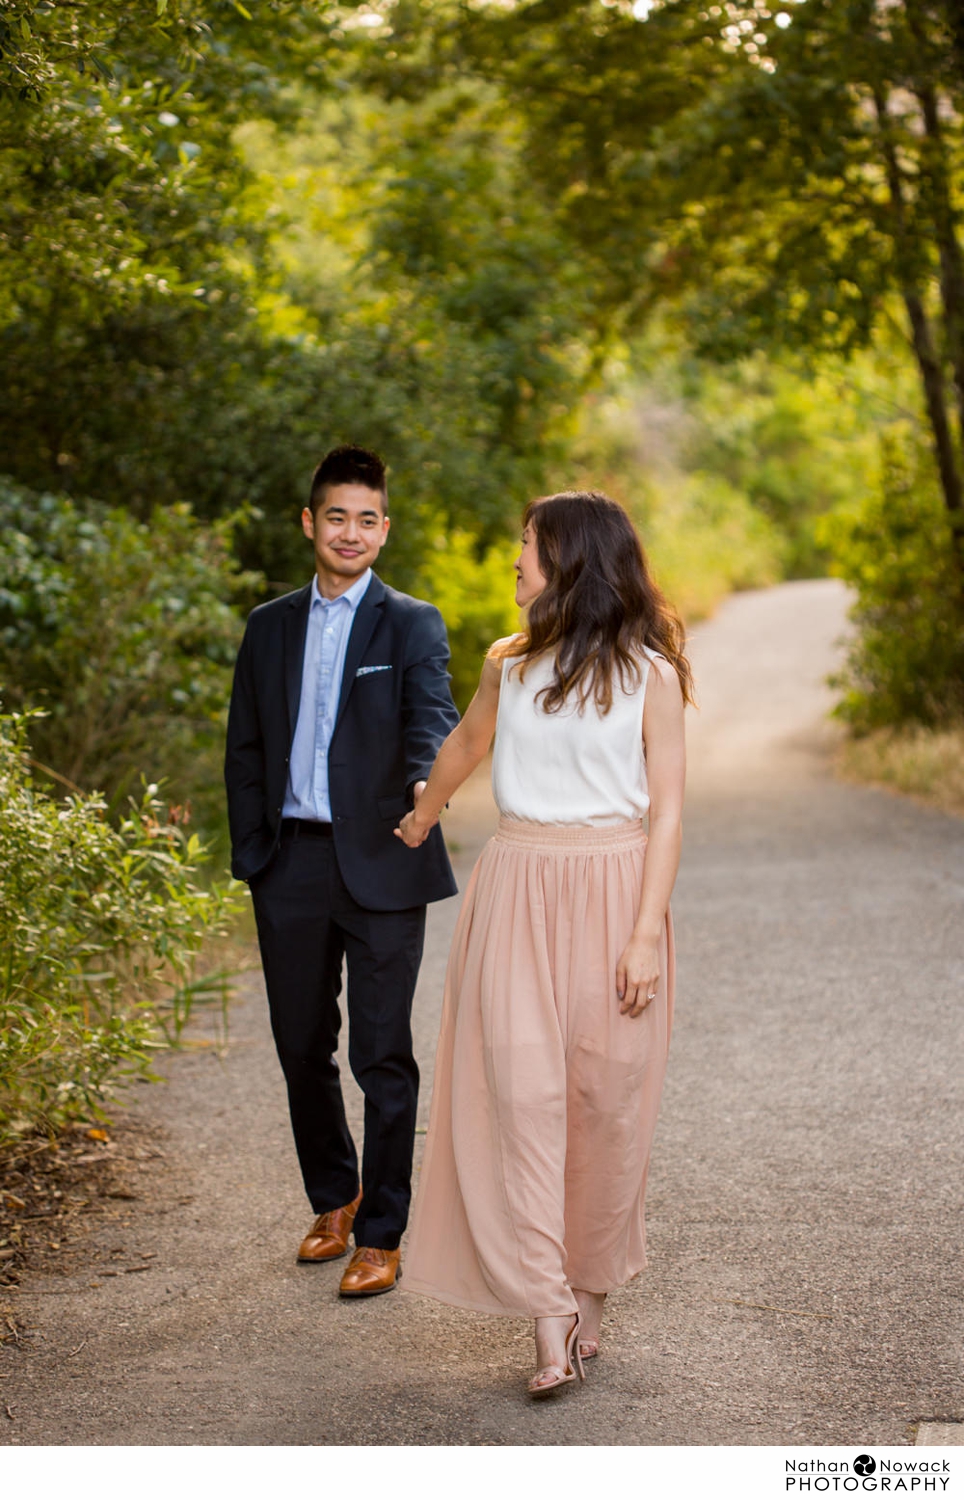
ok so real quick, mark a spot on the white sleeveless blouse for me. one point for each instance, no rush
(570, 767)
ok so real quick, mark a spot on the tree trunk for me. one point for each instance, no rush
(936, 180)
(954, 13)
(932, 377)
(948, 245)
(928, 358)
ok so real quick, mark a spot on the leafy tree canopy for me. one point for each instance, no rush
(786, 173)
(145, 249)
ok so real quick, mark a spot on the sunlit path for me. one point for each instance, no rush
(806, 1189)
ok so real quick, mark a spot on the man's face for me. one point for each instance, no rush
(348, 529)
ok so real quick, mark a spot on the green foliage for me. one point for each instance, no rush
(704, 539)
(233, 235)
(146, 248)
(127, 348)
(653, 444)
(40, 38)
(729, 155)
(100, 928)
(44, 41)
(124, 632)
(476, 595)
(442, 315)
(783, 177)
(906, 664)
(795, 442)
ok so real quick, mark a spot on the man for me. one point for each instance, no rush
(341, 700)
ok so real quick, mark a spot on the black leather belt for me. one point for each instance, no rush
(299, 828)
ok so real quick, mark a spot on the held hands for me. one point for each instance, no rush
(412, 830)
(637, 976)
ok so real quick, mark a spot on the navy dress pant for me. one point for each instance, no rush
(308, 922)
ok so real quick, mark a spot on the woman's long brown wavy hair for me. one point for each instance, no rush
(600, 606)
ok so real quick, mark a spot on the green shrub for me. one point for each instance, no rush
(477, 598)
(124, 632)
(100, 929)
(703, 535)
(906, 664)
(704, 539)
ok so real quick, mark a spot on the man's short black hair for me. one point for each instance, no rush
(348, 465)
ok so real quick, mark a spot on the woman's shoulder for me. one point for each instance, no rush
(505, 647)
(632, 677)
(658, 666)
(662, 679)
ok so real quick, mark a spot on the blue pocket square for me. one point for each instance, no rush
(364, 671)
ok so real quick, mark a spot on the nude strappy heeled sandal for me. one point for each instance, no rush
(537, 1387)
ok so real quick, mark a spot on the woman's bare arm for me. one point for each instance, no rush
(637, 973)
(461, 752)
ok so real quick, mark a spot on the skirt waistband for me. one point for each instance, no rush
(579, 838)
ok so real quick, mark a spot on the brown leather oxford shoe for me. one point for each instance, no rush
(370, 1271)
(327, 1239)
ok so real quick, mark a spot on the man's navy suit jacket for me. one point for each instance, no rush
(394, 711)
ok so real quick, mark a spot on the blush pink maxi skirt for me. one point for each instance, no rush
(545, 1098)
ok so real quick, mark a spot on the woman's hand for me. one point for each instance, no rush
(637, 976)
(456, 760)
(413, 830)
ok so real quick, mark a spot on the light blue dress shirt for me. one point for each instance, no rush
(326, 641)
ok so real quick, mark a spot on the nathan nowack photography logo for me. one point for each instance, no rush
(910, 1476)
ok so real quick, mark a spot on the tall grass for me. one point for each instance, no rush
(924, 763)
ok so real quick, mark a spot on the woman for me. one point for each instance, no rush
(559, 991)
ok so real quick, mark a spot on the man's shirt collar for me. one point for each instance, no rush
(352, 596)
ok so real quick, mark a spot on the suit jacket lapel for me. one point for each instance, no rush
(366, 618)
(295, 630)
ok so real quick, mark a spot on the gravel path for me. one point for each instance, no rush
(804, 1284)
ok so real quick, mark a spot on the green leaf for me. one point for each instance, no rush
(161, 7)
